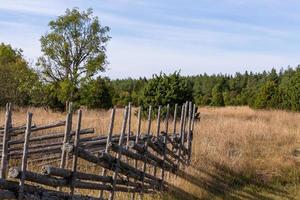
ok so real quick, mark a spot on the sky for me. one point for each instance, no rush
(194, 36)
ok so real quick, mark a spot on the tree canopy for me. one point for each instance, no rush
(74, 50)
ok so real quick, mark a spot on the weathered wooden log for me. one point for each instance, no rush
(170, 166)
(65, 173)
(51, 136)
(39, 128)
(108, 162)
(40, 192)
(6, 194)
(55, 182)
(37, 178)
(154, 162)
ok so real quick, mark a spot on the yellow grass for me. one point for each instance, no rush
(238, 153)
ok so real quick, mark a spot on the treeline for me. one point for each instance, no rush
(23, 85)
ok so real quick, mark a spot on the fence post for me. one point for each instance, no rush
(192, 130)
(5, 140)
(186, 108)
(119, 154)
(146, 149)
(75, 154)
(181, 133)
(24, 157)
(165, 145)
(66, 140)
(157, 133)
(174, 130)
(193, 120)
(189, 135)
(137, 137)
(129, 125)
(110, 132)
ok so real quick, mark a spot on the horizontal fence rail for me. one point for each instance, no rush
(134, 162)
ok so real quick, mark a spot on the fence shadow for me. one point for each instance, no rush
(225, 183)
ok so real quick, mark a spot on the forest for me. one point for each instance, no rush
(22, 85)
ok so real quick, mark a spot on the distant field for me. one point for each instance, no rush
(238, 153)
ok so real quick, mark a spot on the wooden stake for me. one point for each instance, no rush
(5, 141)
(146, 149)
(75, 155)
(110, 132)
(119, 154)
(165, 145)
(24, 157)
(189, 136)
(157, 133)
(137, 137)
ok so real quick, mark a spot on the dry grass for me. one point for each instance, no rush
(238, 153)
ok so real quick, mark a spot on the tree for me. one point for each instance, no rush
(217, 96)
(19, 84)
(73, 51)
(97, 93)
(165, 89)
(290, 89)
(267, 96)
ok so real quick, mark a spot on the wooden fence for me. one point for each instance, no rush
(134, 162)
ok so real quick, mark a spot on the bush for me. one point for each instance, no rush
(96, 94)
(165, 89)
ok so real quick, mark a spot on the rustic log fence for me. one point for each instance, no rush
(131, 163)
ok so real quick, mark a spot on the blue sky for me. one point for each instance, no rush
(203, 36)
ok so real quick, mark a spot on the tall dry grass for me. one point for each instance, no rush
(238, 153)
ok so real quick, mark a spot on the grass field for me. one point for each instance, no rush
(238, 153)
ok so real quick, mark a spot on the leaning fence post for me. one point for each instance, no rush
(193, 120)
(189, 136)
(66, 139)
(186, 108)
(192, 130)
(75, 154)
(24, 157)
(129, 125)
(119, 154)
(146, 149)
(174, 130)
(181, 133)
(137, 137)
(5, 140)
(110, 132)
(165, 145)
(157, 133)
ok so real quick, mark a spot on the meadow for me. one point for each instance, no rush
(238, 153)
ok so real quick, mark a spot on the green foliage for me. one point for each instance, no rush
(290, 90)
(19, 84)
(165, 89)
(73, 51)
(217, 96)
(267, 96)
(97, 93)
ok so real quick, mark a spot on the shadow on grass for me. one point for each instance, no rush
(224, 183)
